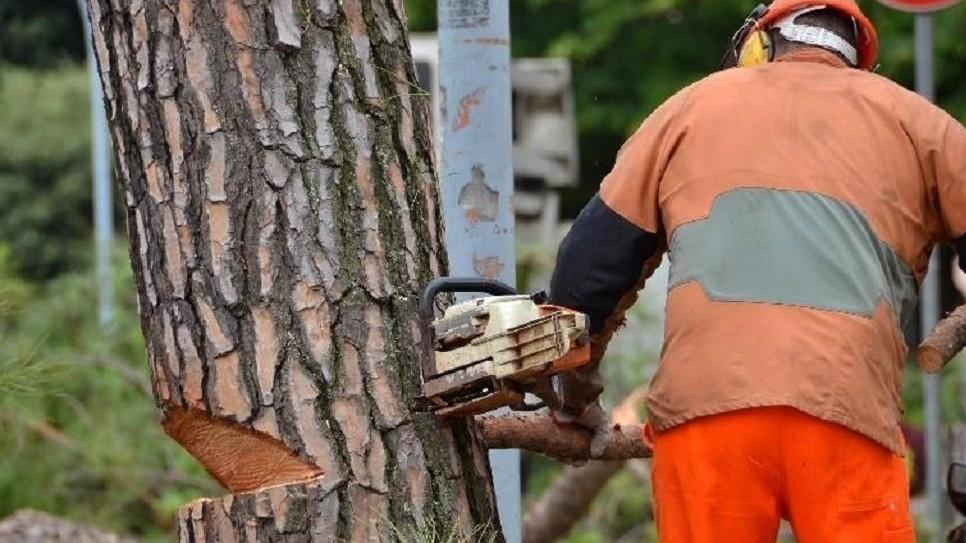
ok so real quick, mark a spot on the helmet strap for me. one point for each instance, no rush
(813, 35)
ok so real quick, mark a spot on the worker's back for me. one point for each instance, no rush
(799, 200)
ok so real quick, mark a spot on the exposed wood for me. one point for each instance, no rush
(239, 458)
(282, 216)
(943, 343)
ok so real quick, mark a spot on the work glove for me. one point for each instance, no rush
(578, 391)
(593, 418)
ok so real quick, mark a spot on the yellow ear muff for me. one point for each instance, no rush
(756, 49)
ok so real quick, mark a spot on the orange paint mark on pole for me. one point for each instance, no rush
(467, 102)
(489, 267)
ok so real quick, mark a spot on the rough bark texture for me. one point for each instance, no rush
(282, 217)
(943, 343)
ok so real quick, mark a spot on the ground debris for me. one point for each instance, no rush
(26, 526)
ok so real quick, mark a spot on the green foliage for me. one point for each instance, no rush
(953, 408)
(80, 434)
(45, 169)
(622, 512)
(40, 32)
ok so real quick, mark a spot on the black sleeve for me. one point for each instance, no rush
(961, 249)
(599, 261)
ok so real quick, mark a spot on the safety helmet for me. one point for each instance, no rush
(867, 39)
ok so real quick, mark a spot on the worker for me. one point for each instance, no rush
(798, 196)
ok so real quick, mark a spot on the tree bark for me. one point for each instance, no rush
(282, 216)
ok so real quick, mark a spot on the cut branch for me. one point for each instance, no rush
(540, 434)
(943, 343)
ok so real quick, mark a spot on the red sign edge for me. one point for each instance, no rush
(934, 6)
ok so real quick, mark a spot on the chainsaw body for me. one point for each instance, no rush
(488, 352)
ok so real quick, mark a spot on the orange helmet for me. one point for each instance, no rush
(867, 38)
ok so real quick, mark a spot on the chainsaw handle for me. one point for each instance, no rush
(458, 284)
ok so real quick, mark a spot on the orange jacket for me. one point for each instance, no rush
(799, 201)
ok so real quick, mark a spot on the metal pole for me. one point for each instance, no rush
(477, 173)
(101, 170)
(929, 310)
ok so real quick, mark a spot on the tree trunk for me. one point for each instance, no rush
(282, 216)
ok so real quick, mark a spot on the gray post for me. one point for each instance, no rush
(101, 169)
(477, 172)
(929, 311)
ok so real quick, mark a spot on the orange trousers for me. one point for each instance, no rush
(729, 478)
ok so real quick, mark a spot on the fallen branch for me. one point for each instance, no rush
(566, 500)
(943, 343)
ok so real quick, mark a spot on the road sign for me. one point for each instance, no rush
(919, 6)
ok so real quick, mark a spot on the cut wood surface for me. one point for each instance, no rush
(943, 343)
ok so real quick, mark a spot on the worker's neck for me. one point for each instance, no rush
(811, 54)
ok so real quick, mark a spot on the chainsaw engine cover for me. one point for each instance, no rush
(472, 319)
(487, 351)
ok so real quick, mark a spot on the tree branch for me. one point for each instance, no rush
(943, 343)
(540, 434)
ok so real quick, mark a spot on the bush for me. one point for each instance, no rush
(81, 437)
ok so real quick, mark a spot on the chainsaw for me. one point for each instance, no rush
(486, 353)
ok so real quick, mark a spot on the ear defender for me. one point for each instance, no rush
(750, 44)
(754, 42)
(756, 49)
